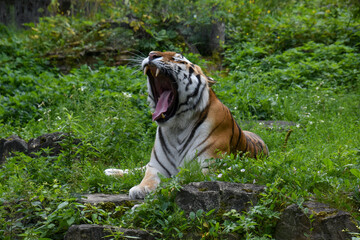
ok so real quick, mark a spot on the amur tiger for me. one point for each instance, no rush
(192, 122)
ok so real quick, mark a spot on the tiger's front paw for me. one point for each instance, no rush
(139, 192)
(149, 183)
(116, 172)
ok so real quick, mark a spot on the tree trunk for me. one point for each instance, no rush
(217, 37)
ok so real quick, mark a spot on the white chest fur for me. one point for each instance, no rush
(174, 146)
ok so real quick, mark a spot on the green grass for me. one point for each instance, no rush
(308, 74)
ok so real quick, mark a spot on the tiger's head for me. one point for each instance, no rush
(177, 88)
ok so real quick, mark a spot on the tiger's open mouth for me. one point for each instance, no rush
(163, 88)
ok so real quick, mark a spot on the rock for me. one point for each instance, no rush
(317, 221)
(117, 199)
(218, 195)
(101, 232)
(108, 202)
(313, 221)
(52, 141)
(11, 144)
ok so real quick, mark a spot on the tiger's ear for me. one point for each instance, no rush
(211, 81)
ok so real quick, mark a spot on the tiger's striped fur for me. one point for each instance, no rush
(192, 122)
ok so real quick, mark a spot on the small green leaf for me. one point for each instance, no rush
(192, 216)
(71, 221)
(329, 164)
(210, 212)
(355, 172)
(62, 205)
(199, 212)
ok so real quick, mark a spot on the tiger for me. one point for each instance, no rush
(192, 123)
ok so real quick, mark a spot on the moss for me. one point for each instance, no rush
(324, 214)
(107, 206)
(247, 190)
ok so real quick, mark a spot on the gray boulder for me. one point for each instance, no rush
(11, 144)
(53, 141)
(108, 202)
(315, 221)
(101, 232)
(116, 199)
(222, 196)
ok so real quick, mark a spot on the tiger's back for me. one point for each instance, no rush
(228, 137)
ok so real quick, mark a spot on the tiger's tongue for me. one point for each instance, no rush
(162, 105)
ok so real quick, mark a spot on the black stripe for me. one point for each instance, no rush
(193, 94)
(189, 78)
(191, 71)
(178, 141)
(190, 82)
(198, 77)
(196, 89)
(238, 140)
(261, 146)
(210, 133)
(247, 140)
(194, 106)
(200, 121)
(181, 62)
(157, 159)
(205, 148)
(165, 148)
(232, 129)
(255, 148)
(183, 111)
(200, 96)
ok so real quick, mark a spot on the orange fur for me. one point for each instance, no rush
(225, 135)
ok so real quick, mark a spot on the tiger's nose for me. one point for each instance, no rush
(153, 55)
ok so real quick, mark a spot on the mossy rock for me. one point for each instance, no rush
(117, 204)
(314, 221)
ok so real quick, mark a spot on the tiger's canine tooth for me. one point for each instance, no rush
(157, 72)
(145, 69)
(162, 115)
